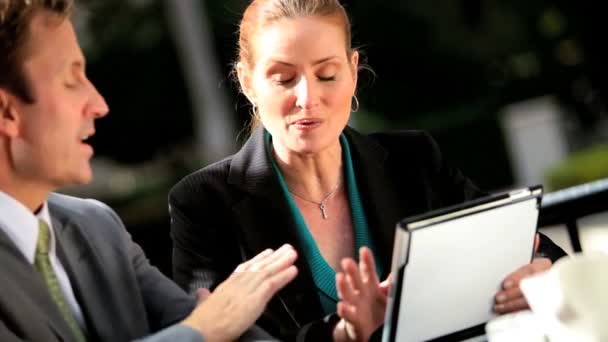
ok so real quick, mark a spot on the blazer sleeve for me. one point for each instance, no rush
(452, 186)
(182, 333)
(460, 188)
(204, 252)
(447, 185)
(173, 333)
(192, 251)
(206, 248)
(459, 185)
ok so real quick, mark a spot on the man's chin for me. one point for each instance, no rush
(84, 177)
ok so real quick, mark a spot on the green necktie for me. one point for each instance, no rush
(43, 264)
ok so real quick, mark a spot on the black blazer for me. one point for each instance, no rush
(121, 295)
(229, 211)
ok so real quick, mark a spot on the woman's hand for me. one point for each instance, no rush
(363, 298)
(510, 298)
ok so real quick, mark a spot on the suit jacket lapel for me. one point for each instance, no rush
(381, 203)
(36, 289)
(72, 250)
(268, 223)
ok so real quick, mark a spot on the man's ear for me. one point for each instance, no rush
(244, 77)
(9, 116)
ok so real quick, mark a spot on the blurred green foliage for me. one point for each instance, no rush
(582, 167)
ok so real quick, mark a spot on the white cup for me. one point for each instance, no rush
(518, 326)
(571, 299)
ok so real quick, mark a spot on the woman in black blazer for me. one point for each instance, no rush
(307, 179)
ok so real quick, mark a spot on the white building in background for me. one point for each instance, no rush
(535, 138)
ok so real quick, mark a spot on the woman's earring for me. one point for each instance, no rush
(354, 107)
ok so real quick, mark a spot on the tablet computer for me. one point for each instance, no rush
(448, 265)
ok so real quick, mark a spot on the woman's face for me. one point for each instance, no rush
(302, 82)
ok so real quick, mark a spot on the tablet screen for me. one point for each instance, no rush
(449, 271)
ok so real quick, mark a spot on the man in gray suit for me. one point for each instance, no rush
(70, 271)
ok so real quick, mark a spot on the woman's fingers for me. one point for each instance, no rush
(512, 306)
(362, 302)
(346, 292)
(538, 265)
(352, 273)
(385, 285)
(347, 312)
(367, 266)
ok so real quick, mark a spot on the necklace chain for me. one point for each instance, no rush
(321, 204)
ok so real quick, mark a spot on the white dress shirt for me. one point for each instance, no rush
(21, 226)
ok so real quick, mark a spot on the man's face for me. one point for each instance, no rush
(49, 146)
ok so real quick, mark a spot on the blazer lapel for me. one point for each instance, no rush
(382, 205)
(30, 281)
(268, 223)
(112, 312)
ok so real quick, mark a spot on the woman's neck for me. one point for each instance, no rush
(312, 176)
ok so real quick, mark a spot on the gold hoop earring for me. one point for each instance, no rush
(354, 107)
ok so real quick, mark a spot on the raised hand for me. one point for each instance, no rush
(238, 302)
(363, 298)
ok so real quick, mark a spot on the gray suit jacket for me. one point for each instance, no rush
(122, 296)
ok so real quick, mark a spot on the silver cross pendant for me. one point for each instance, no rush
(323, 212)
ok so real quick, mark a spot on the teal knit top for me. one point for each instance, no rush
(323, 275)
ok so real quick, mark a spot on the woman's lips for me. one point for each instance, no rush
(306, 124)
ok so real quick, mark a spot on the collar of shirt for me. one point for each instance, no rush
(21, 225)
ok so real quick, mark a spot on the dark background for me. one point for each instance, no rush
(443, 66)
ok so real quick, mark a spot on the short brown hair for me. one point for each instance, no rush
(15, 19)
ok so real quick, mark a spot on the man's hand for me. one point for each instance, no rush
(238, 302)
